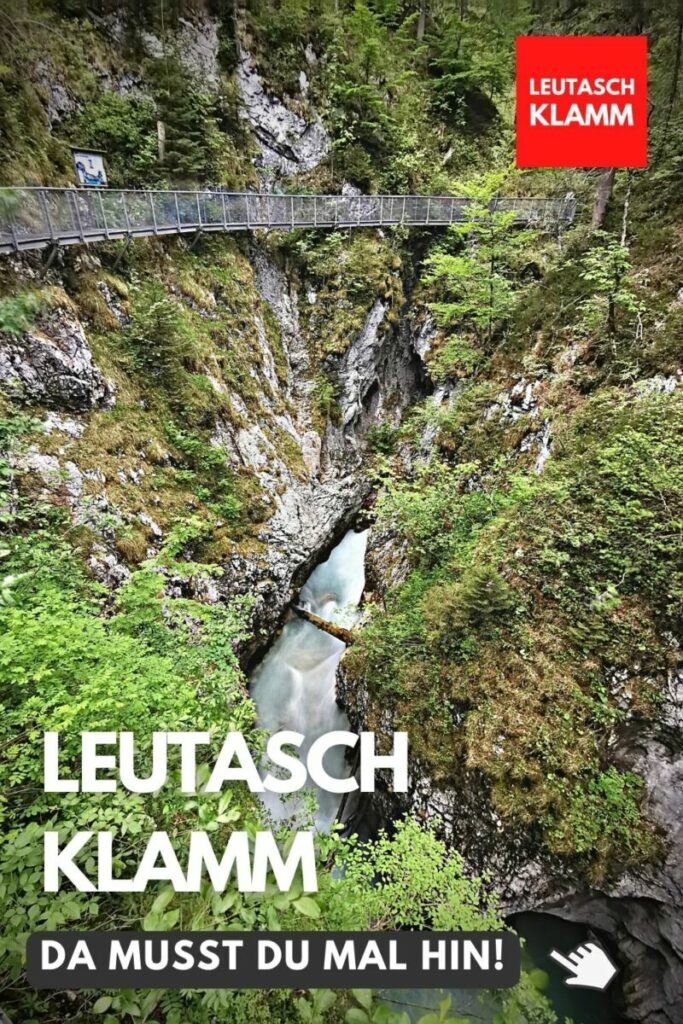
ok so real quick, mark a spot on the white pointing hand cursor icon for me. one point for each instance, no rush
(589, 965)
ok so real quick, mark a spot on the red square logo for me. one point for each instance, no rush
(581, 101)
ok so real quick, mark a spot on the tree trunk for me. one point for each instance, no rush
(345, 635)
(603, 194)
(421, 21)
(674, 83)
(161, 141)
(627, 200)
(611, 316)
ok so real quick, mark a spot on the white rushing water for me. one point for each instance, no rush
(294, 686)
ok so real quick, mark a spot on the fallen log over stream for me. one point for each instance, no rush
(345, 635)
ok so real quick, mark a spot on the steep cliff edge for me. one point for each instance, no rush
(125, 463)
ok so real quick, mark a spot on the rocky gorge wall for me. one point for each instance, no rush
(638, 914)
(306, 469)
(376, 378)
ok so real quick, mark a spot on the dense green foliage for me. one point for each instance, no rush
(17, 312)
(478, 268)
(528, 595)
(171, 661)
(125, 129)
(539, 611)
(393, 83)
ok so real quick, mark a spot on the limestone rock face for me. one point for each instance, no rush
(58, 103)
(288, 143)
(642, 914)
(53, 475)
(378, 375)
(52, 365)
(197, 44)
(386, 561)
(312, 505)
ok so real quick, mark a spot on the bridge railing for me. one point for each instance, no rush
(32, 218)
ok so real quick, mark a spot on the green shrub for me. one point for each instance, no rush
(476, 604)
(382, 438)
(325, 395)
(18, 312)
(433, 514)
(160, 335)
(604, 816)
(215, 482)
(125, 128)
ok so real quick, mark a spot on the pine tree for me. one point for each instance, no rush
(193, 139)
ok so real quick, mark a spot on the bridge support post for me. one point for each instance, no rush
(195, 238)
(76, 214)
(15, 240)
(50, 256)
(46, 211)
(104, 215)
(125, 212)
(122, 253)
(154, 212)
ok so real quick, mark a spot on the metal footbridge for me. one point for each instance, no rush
(38, 218)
